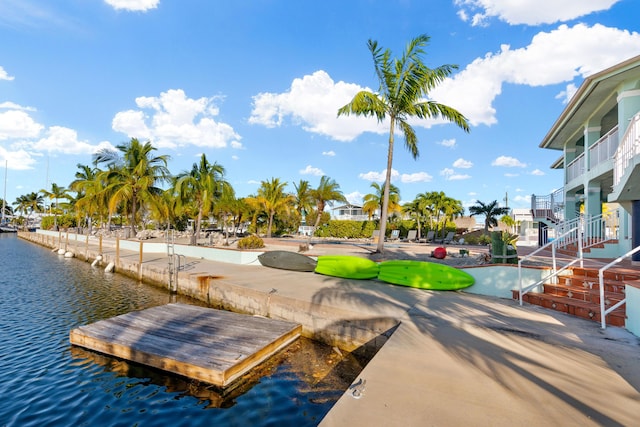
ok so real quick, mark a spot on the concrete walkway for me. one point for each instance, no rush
(447, 358)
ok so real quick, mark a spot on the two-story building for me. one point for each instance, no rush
(598, 134)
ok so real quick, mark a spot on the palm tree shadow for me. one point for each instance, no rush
(522, 355)
(526, 355)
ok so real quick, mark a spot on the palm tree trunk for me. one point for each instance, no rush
(271, 214)
(387, 184)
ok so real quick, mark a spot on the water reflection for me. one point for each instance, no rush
(46, 381)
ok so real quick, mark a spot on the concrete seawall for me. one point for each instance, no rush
(437, 352)
(244, 288)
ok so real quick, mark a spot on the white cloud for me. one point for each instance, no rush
(8, 105)
(310, 170)
(509, 162)
(529, 12)
(447, 172)
(462, 164)
(568, 93)
(64, 140)
(4, 75)
(177, 121)
(237, 145)
(234, 157)
(451, 175)
(18, 159)
(450, 143)
(329, 153)
(133, 5)
(566, 52)
(379, 176)
(415, 177)
(313, 102)
(511, 175)
(355, 198)
(18, 124)
(537, 172)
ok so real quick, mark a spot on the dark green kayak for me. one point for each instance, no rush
(286, 260)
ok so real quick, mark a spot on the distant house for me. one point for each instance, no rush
(349, 212)
(598, 135)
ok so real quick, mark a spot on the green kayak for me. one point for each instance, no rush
(347, 267)
(424, 275)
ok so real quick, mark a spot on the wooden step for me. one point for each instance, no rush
(619, 274)
(583, 294)
(584, 282)
(573, 307)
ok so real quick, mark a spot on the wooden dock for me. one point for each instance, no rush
(208, 345)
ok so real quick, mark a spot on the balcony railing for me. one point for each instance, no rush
(550, 206)
(575, 169)
(604, 148)
(627, 150)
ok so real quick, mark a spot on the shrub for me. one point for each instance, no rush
(472, 240)
(484, 239)
(346, 229)
(251, 242)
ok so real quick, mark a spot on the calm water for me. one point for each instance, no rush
(46, 382)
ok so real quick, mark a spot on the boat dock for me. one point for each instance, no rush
(213, 346)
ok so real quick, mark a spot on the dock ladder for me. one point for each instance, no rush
(175, 261)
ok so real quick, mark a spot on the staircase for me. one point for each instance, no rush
(578, 294)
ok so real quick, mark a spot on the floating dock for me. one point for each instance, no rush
(213, 346)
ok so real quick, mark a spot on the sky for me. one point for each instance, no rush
(256, 86)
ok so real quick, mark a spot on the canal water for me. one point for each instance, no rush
(44, 381)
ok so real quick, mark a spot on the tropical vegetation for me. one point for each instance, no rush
(491, 211)
(133, 188)
(404, 86)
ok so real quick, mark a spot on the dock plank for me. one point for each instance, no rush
(209, 345)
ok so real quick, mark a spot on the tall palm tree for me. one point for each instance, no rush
(404, 86)
(132, 176)
(273, 200)
(373, 201)
(88, 190)
(202, 185)
(416, 209)
(327, 192)
(29, 203)
(226, 210)
(451, 209)
(57, 192)
(304, 201)
(491, 212)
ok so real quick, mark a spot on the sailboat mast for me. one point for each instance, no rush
(4, 196)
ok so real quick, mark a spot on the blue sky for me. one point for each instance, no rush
(256, 85)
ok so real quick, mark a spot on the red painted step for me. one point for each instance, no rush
(578, 294)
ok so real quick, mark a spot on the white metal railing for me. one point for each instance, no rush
(591, 229)
(575, 169)
(554, 267)
(604, 148)
(570, 230)
(603, 311)
(550, 206)
(627, 150)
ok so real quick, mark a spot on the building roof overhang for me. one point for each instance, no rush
(597, 95)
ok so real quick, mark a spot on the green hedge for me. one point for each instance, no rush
(347, 229)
